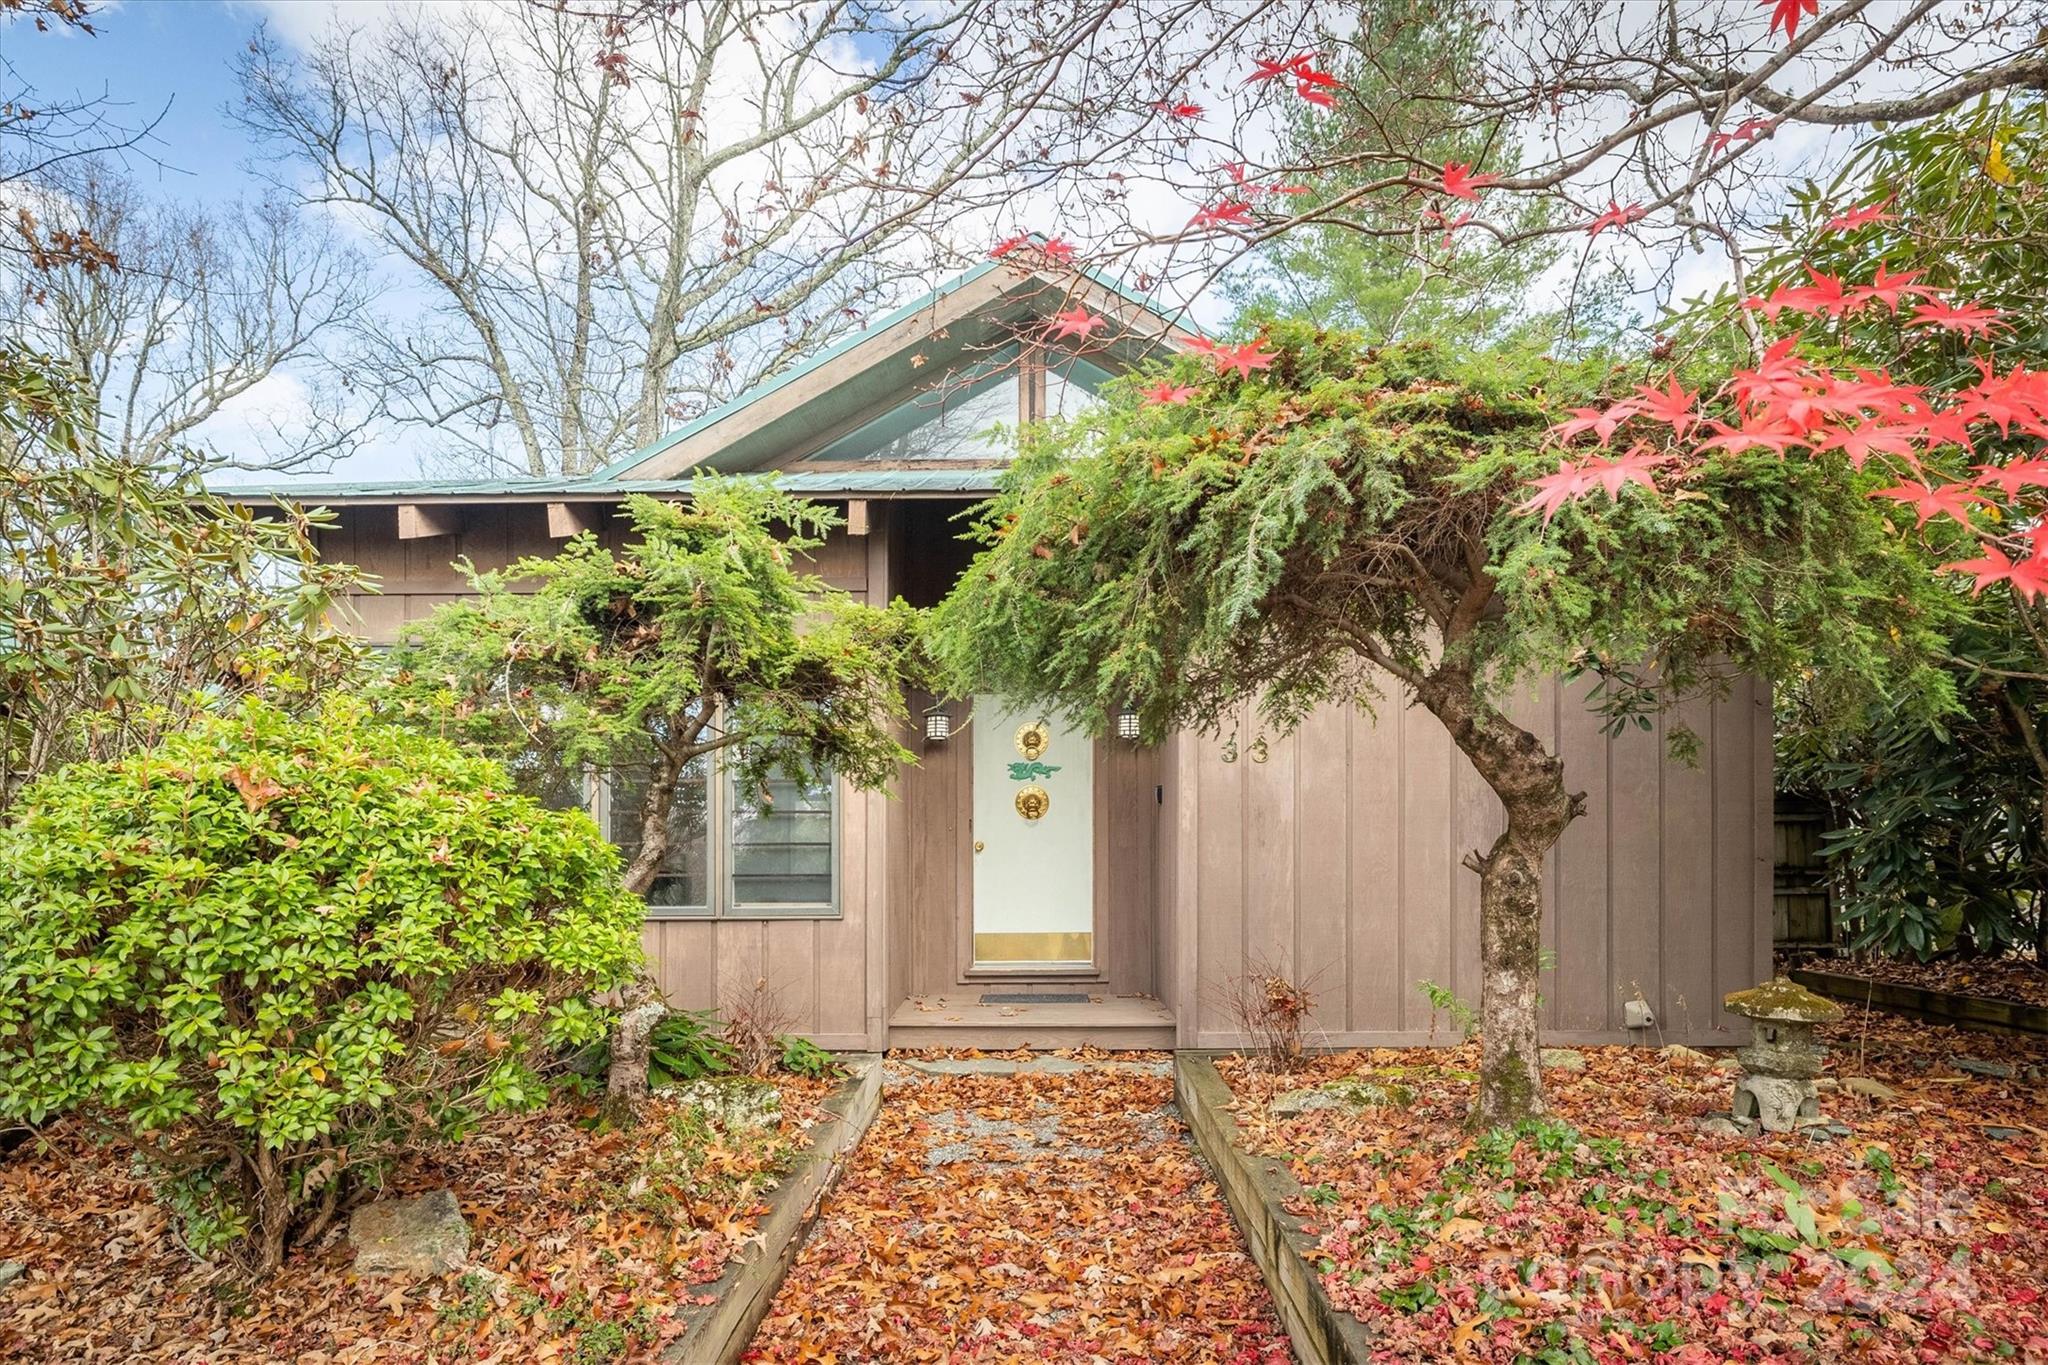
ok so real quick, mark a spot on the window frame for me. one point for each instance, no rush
(721, 803)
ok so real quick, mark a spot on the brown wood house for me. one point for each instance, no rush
(1025, 885)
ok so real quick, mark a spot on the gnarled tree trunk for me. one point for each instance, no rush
(1529, 780)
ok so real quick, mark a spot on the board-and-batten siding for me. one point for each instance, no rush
(1337, 861)
(814, 969)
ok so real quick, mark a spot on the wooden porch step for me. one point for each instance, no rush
(1118, 1023)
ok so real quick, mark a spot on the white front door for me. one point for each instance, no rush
(1034, 840)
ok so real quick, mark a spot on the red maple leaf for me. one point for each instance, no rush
(2018, 397)
(1785, 14)
(1617, 216)
(1009, 244)
(1970, 319)
(2011, 477)
(1856, 218)
(1600, 421)
(1244, 359)
(1631, 466)
(1460, 183)
(1172, 110)
(1826, 296)
(1746, 131)
(2029, 577)
(1075, 322)
(1948, 500)
(1889, 289)
(1861, 442)
(1279, 188)
(1201, 345)
(1313, 85)
(1553, 491)
(1757, 432)
(1264, 70)
(1671, 405)
(1058, 249)
(1166, 391)
(1229, 211)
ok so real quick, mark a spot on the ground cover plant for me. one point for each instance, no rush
(1616, 1229)
(273, 954)
(1054, 1214)
(587, 1241)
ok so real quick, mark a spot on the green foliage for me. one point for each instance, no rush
(1253, 544)
(1379, 263)
(802, 1057)
(700, 635)
(277, 950)
(1938, 840)
(131, 599)
(687, 1045)
(1443, 1000)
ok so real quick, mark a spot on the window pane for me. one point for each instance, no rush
(1071, 384)
(685, 879)
(782, 848)
(950, 421)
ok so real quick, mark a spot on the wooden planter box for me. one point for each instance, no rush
(719, 1332)
(1257, 1189)
(1938, 1007)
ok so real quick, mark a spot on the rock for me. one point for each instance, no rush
(1775, 1102)
(1562, 1058)
(1795, 1060)
(1721, 1125)
(1815, 1126)
(1869, 1087)
(1991, 1130)
(1353, 1094)
(1681, 1055)
(10, 1271)
(731, 1102)
(1782, 1000)
(423, 1235)
(1977, 1066)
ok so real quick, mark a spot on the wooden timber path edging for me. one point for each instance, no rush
(1918, 1002)
(719, 1332)
(1258, 1189)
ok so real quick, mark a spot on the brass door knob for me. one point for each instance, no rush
(979, 846)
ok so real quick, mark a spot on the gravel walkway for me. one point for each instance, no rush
(1006, 1210)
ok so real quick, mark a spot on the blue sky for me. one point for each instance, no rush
(157, 55)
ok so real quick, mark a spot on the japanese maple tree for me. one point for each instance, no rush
(1344, 525)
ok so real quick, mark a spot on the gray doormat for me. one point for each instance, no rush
(1020, 998)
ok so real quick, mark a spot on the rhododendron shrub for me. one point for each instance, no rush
(1299, 520)
(274, 952)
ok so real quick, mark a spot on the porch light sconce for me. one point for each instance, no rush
(938, 726)
(1127, 726)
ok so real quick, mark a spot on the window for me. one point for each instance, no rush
(1071, 384)
(781, 848)
(953, 420)
(772, 856)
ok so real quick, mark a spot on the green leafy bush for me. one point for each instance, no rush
(802, 1057)
(686, 1045)
(277, 951)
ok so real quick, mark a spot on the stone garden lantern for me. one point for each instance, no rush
(1779, 1067)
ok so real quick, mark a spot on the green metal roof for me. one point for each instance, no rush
(841, 347)
(851, 481)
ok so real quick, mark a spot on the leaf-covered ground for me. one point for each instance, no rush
(1034, 1216)
(1617, 1231)
(2017, 979)
(584, 1245)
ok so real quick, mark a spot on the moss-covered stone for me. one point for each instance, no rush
(1783, 999)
